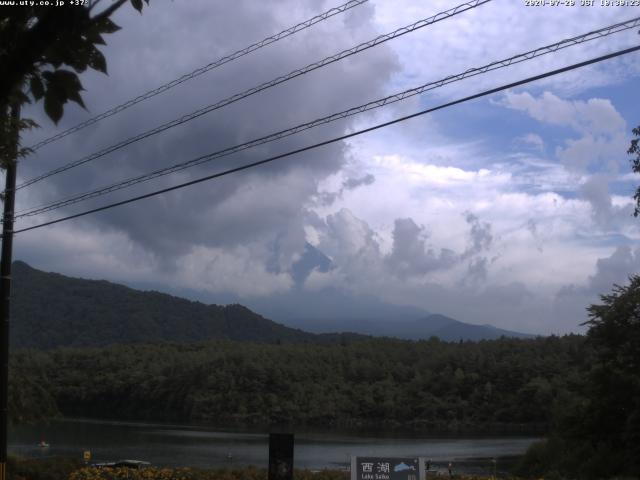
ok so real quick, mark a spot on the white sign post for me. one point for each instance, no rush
(387, 468)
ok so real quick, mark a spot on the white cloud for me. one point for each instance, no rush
(240, 270)
(594, 116)
(478, 37)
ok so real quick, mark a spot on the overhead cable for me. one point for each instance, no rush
(199, 71)
(252, 91)
(522, 57)
(335, 139)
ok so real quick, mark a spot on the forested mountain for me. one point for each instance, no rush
(430, 385)
(51, 310)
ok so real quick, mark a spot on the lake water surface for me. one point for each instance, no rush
(200, 446)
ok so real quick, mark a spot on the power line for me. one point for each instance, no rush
(336, 139)
(252, 91)
(603, 32)
(199, 71)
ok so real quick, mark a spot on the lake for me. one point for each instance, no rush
(201, 446)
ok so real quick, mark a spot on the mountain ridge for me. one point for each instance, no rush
(432, 325)
(51, 310)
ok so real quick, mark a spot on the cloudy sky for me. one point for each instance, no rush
(514, 209)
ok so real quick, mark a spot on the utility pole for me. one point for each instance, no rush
(5, 287)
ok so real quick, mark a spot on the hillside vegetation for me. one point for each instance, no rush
(51, 310)
(430, 385)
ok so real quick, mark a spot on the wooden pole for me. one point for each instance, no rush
(5, 291)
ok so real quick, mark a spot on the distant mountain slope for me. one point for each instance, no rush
(456, 330)
(51, 310)
(434, 325)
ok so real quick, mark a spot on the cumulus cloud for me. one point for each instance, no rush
(240, 270)
(572, 300)
(266, 204)
(477, 270)
(597, 154)
(351, 183)
(410, 254)
(602, 129)
(480, 234)
(479, 36)
(615, 269)
(604, 213)
(596, 115)
(424, 213)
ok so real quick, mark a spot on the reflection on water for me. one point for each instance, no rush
(180, 445)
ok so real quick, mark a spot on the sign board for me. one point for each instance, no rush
(387, 468)
(86, 455)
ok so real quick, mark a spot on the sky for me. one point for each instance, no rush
(514, 210)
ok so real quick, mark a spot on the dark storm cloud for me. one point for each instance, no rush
(352, 183)
(170, 39)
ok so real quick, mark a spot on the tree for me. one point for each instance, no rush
(634, 149)
(613, 415)
(42, 51)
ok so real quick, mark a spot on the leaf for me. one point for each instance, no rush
(93, 35)
(77, 62)
(78, 58)
(62, 86)
(137, 4)
(20, 97)
(28, 124)
(69, 86)
(68, 82)
(97, 61)
(37, 88)
(55, 55)
(105, 25)
(75, 97)
(47, 75)
(53, 106)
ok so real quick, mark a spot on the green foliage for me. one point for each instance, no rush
(29, 395)
(613, 415)
(37, 43)
(501, 385)
(51, 310)
(596, 426)
(10, 128)
(634, 149)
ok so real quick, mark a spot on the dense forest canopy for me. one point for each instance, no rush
(51, 310)
(499, 385)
